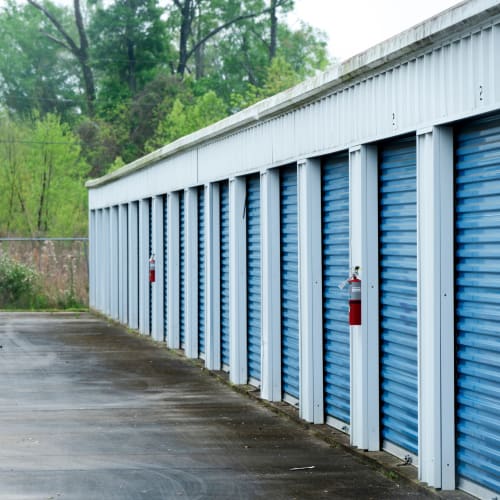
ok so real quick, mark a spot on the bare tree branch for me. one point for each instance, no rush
(222, 27)
(80, 52)
(55, 40)
(71, 43)
(84, 43)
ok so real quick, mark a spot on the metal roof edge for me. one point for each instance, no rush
(456, 19)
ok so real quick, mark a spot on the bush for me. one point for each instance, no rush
(19, 284)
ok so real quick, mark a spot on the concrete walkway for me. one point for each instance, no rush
(89, 411)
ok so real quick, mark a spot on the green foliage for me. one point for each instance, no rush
(35, 73)
(100, 143)
(186, 118)
(149, 75)
(117, 164)
(129, 47)
(280, 76)
(41, 175)
(19, 284)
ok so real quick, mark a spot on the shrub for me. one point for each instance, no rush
(19, 284)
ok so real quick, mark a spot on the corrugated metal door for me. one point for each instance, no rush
(201, 270)
(165, 267)
(150, 252)
(224, 273)
(398, 295)
(182, 270)
(253, 277)
(477, 295)
(289, 283)
(335, 236)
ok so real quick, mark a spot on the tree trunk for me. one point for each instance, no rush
(80, 51)
(186, 10)
(132, 81)
(274, 30)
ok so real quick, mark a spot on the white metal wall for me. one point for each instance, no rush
(433, 82)
(439, 83)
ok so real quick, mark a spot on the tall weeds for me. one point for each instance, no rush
(60, 267)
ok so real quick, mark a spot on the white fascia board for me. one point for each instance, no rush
(435, 256)
(106, 261)
(173, 338)
(191, 272)
(310, 292)
(123, 264)
(114, 261)
(271, 285)
(212, 256)
(143, 266)
(363, 209)
(133, 265)
(157, 286)
(237, 281)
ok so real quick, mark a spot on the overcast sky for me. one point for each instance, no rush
(355, 25)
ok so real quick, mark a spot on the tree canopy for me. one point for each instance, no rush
(88, 87)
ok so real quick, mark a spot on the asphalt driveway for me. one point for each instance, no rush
(91, 411)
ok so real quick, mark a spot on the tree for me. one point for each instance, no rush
(77, 45)
(199, 21)
(240, 60)
(280, 76)
(185, 118)
(36, 75)
(129, 45)
(42, 173)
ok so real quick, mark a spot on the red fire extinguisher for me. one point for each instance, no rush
(354, 299)
(152, 271)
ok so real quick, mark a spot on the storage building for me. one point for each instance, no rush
(390, 162)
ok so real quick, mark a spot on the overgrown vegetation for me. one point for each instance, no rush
(19, 284)
(43, 275)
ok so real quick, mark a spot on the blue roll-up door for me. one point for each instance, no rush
(201, 270)
(165, 266)
(335, 236)
(224, 274)
(477, 301)
(182, 270)
(289, 283)
(398, 294)
(150, 252)
(253, 277)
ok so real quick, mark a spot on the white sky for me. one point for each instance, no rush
(356, 25)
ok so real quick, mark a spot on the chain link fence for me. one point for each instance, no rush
(60, 267)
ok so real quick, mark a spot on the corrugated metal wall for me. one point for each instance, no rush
(201, 271)
(477, 274)
(289, 282)
(254, 297)
(182, 270)
(165, 266)
(398, 293)
(224, 274)
(335, 239)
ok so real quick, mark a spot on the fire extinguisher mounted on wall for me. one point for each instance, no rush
(354, 298)
(152, 269)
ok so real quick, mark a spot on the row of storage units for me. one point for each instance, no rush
(220, 258)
